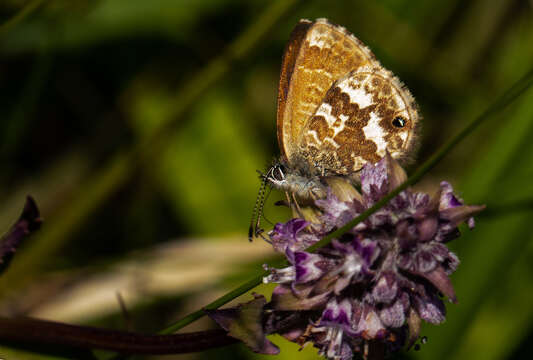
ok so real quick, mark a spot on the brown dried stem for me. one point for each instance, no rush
(27, 331)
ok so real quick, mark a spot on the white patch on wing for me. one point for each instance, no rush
(358, 162)
(399, 100)
(317, 71)
(374, 132)
(325, 111)
(308, 105)
(357, 95)
(314, 135)
(305, 114)
(317, 39)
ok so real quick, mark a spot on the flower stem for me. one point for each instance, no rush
(507, 98)
(33, 331)
(250, 284)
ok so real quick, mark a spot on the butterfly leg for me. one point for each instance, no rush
(261, 233)
(296, 205)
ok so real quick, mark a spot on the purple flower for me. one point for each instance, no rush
(452, 208)
(291, 235)
(354, 261)
(379, 280)
(335, 213)
(386, 288)
(305, 267)
(382, 275)
(335, 323)
(367, 322)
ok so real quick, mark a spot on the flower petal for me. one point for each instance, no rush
(337, 314)
(291, 235)
(414, 322)
(396, 175)
(305, 265)
(386, 288)
(374, 182)
(430, 308)
(427, 228)
(448, 199)
(441, 281)
(393, 315)
(459, 214)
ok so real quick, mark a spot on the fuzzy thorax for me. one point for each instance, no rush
(305, 187)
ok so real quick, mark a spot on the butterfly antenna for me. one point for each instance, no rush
(261, 212)
(254, 230)
(266, 198)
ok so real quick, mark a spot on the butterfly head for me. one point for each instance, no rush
(304, 186)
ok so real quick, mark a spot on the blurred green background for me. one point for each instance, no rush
(138, 127)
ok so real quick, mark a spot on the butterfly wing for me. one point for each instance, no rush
(317, 54)
(362, 116)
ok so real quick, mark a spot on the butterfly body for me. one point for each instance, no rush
(298, 181)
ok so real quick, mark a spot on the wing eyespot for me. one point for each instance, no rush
(399, 121)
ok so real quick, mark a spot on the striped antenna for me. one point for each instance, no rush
(254, 228)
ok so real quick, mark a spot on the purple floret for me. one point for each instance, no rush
(383, 275)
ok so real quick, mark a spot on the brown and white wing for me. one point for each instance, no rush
(362, 116)
(318, 53)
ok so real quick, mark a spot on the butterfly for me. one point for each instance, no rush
(338, 109)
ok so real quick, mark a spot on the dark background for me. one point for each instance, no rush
(139, 134)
